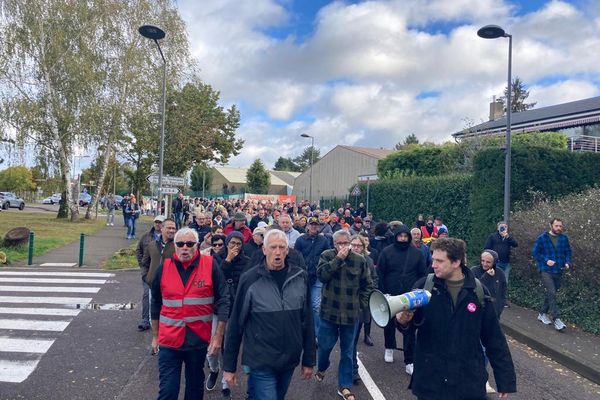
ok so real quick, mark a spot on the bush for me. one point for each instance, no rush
(579, 298)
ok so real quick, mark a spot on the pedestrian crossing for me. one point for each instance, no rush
(35, 307)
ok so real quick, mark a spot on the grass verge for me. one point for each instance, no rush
(50, 232)
(124, 258)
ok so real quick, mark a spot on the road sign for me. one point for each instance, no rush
(364, 178)
(169, 190)
(355, 191)
(167, 180)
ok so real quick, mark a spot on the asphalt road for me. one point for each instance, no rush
(100, 355)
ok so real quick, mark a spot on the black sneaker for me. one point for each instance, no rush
(143, 327)
(211, 382)
(226, 394)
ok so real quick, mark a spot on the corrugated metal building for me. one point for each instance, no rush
(338, 170)
(233, 181)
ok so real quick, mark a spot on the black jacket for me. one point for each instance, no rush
(311, 248)
(449, 362)
(501, 246)
(276, 326)
(495, 284)
(398, 269)
(255, 220)
(251, 247)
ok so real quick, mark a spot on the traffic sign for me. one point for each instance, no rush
(167, 180)
(169, 190)
(355, 191)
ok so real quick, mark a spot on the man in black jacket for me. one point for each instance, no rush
(501, 242)
(272, 302)
(449, 361)
(400, 265)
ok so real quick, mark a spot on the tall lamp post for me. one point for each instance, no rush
(312, 152)
(155, 33)
(494, 32)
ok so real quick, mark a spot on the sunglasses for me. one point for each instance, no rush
(218, 245)
(188, 244)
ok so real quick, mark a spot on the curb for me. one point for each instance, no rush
(562, 356)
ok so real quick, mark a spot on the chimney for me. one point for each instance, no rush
(496, 109)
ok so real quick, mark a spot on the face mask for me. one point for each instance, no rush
(403, 245)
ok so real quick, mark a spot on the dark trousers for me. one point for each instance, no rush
(269, 384)
(408, 340)
(551, 283)
(169, 367)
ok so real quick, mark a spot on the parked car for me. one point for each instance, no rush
(84, 199)
(9, 199)
(54, 199)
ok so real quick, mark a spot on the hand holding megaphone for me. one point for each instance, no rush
(384, 307)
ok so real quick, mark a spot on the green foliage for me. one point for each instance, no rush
(408, 141)
(17, 179)
(258, 178)
(424, 160)
(579, 297)
(286, 164)
(404, 198)
(518, 96)
(303, 161)
(553, 140)
(201, 177)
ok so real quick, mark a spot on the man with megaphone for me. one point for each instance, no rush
(449, 362)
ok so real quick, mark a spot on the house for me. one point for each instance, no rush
(228, 180)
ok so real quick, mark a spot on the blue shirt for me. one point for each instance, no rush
(544, 250)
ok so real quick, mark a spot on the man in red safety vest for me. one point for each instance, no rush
(187, 290)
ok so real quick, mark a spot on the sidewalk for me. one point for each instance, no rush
(573, 348)
(97, 247)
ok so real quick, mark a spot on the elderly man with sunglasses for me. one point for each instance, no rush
(187, 290)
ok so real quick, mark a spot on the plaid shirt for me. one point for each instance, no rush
(347, 285)
(544, 250)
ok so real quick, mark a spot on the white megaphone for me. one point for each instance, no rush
(384, 307)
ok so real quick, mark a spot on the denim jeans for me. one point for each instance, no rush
(505, 267)
(131, 222)
(551, 283)
(315, 298)
(146, 304)
(169, 367)
(269, 384)
(328, 337)
(178, 219)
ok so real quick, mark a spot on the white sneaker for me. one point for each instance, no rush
(410, 368)
(544, 318)
(389, 356)
(558, 324)
(488, 388)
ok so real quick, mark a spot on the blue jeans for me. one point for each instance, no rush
(169, 368)
(145, 304)
(505, 267)
(315, 298)
(269, 384)
(131, 222)
(328, 337)
(178, 219)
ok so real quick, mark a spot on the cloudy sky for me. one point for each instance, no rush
(369, 73)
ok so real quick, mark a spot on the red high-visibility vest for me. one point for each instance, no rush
(190, 306)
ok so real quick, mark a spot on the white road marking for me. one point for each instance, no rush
(49, 289)
(369, 382)
(16, 371)
(58, 264)
(45, 300)
(50, 273)
(17, 345)
(52, 280)
(39, 311)
(33, 325)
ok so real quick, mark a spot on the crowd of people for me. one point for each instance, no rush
(284, 283)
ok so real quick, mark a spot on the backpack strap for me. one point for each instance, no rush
(478, 288)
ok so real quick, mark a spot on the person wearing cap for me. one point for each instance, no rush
(399, 266)
(239, 224)
(256, 243)
(148, 237)
(442, 232)
(493, 278)
(311, 245)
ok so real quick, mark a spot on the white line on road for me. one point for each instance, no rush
(16, 371)
(369, 382)
(39, 311)
(44, 300)
(15, 345)
(52, 280)
(58, 264)
(33, 325)
(81, 274)
(49, 289)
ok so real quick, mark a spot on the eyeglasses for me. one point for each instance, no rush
(342, 243)
(357, 245)
(235, 244)
(218, 244)
(187, 244)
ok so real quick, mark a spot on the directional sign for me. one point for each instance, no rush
(169, 190)
(355, 191)
(364, 178)
(167, 180)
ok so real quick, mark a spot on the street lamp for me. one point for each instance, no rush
(155, 33)
(494, 32)
(312, 152)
